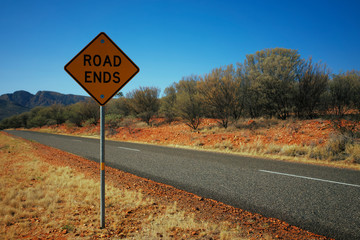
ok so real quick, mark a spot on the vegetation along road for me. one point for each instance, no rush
(320, 199)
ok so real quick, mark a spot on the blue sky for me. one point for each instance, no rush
(168, 39)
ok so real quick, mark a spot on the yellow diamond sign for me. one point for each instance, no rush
(102, 68)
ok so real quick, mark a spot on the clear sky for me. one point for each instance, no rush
(168, 39)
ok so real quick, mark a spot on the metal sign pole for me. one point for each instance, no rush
(102, 167)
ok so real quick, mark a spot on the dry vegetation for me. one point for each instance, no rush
(38, 199)
(43, 200)
(49, 194)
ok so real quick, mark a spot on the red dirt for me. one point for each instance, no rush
(209, 134)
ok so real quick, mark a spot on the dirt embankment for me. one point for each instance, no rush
(316, 141)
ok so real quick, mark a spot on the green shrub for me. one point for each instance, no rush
(70, 124)
(51, 122)
(113, 122)
(89, 122)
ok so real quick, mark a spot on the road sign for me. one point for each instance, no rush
(102, 68)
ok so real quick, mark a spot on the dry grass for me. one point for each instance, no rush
(47, 201)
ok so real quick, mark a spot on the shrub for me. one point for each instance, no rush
(128, 123)
(188, 101)
(318, 153)
(353, 150)
(221, 93)
(51, 122)
(273, 149)
(167, 107)
(113, 120)
(89, 122)
(337, 144)
(70, 124)
(113, 123)
(294, 150)
(145, 102)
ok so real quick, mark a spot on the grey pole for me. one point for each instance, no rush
(102, 167)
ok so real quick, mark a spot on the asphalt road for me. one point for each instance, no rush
(319, 199)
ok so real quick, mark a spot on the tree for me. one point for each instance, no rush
(119, 95)
(168, 103)
(221, 93)
(145, 102)
(73, 114)
(355, 81)
(254, 100)
(81, 112)
(90, 111)
(274, 72)
(341, 92)
(120, 106)
(38, 117)
(313, 83)
(11, 122)
(57, 112)
(188, 101)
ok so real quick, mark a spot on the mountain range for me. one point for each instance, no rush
(23, 101)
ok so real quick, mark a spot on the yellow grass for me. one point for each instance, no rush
(47, 201)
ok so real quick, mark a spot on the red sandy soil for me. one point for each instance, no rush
(256, 226)
(211, 135)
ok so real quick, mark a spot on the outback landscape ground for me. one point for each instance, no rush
(49, 194)
(318, 141)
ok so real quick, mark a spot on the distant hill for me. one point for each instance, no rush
(22, 101)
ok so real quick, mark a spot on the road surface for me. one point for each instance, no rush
(319, 199)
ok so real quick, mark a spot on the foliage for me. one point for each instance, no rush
(188, 101)
(222, 94)
(145, 102)
(345, 92)
(313, 83)
(56, 114)
(341, 93)
(120, 106)
(355, 80)
(82, 112)
(274, 72)
(113, 122)
(90, 110)
(270, 83)
(40, 116)
(168, 104)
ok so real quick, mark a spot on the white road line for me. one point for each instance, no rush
(131, 149)
(310, 178)
(76, 140)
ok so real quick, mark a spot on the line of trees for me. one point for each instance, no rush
(77, 114)
(270, 83)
